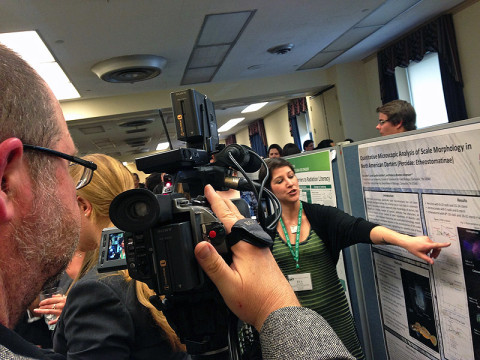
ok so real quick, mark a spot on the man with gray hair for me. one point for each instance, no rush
(395, 117)
(40, 225)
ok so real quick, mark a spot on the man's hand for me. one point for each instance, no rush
(253, 285)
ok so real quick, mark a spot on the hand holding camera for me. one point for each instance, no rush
(252, 286)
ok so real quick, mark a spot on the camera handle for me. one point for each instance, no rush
(201, 320)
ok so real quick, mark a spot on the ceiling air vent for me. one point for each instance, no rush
(134, 123)
(134, 131)
(129, 68)
(92, 130)
(138, 142)
(281, 49)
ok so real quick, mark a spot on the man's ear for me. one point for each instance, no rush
(85, 206)
(399, 125)
(11, 171)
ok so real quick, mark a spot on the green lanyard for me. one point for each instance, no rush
(297, 240)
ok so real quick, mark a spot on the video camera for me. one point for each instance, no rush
(159, 232)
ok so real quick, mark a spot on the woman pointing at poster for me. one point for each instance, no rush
(307, 244)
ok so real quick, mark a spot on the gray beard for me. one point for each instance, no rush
(46, 239)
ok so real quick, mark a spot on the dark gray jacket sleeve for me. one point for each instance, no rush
(300, 333)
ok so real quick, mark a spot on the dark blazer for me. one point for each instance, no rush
(336, 228)
(14, 347)
(103, 319)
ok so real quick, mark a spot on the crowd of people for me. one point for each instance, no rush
(41, 225)
(53, 207)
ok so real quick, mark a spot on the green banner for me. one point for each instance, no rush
(319, 161)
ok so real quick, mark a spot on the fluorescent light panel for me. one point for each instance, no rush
(320, 60)
(254, 107)
(33, 50)
(198, 75)
(387, 12)
(218, 35)
(163, 146)
(208, 56)
(350, 38)
(230, 124)
(223, 28)
(382, 15)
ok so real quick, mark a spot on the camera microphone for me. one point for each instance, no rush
(240, 153)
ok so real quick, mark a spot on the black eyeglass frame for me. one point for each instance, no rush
(88, 164)
(381, 122)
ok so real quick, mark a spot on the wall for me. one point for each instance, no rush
(467, 28)
(277, 127)
(353, 92)
(301, 82)
(316, 114)
(242, 137)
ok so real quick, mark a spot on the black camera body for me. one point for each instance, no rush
(160, 235)
(160, 232)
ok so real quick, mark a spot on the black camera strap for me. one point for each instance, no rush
(250, 231)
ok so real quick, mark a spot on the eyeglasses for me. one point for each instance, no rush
(88, 166)
(381, 122)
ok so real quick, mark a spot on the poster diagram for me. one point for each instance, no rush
(419, 307)
(470, 245)
(427, 184)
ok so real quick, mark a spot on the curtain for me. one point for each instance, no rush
(294, 131)
(231, 139)
(436, 36)
(295, 107)
(258, 137)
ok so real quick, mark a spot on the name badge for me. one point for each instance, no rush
(300, 282)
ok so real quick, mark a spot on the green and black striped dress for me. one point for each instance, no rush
(327, 297)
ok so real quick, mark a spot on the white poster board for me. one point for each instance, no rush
(427, 184)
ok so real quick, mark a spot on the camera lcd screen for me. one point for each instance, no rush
(112, 255)
(116, 247)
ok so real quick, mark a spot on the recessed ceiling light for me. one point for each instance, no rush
(254, 107)
(230, 124)
(31, 48)
(163, 146)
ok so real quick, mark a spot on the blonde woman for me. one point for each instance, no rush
(109, 316)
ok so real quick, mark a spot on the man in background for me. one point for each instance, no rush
(395, 117)
(308, 145)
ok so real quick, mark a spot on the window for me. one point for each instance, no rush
(421, 85)
(303, 128)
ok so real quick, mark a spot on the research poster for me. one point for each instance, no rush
(314, 173)
(427, 185)
(315, 179)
